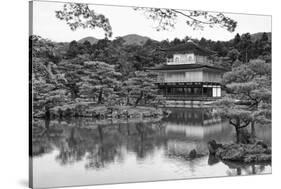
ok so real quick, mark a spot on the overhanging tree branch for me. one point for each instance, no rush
(192, 18)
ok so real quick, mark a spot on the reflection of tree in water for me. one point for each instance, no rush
(71, 149)
(213, 160)
(143, 141)
(103, 144)
(189, 129)
(145, 138)
(43, 136)
(106, 150)
(142, 145)
(99, 145)
(236, 168)
(112, 140)
(247, 169)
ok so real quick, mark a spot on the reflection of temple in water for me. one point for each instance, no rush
(195, 123)
(192, 128)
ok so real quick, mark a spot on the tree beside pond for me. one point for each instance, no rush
(248, 99)
(98, 81)
(47, 89)
(142, 87)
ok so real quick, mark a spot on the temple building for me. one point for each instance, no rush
(189, 75)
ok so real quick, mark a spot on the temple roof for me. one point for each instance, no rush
(189, 47)
(187, 67)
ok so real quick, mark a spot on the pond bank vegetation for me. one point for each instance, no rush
(257, 152)
(102, 112)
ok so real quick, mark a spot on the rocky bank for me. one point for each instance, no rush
(257, 152)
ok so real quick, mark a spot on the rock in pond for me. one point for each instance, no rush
(192, 154)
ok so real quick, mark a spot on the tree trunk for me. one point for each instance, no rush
(254, 170)
(145, 99)
(47, 123)
(246, 55)
(140, 97)
(74, 90)
(100, 96)
(239, 171)
(128, 99)
(237, 135)
(100, 133)
(253, 131)
(60, 113)
(237, 129)
(47, 113)
(128, 129)
(72, 139)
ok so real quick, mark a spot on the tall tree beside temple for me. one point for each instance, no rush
(249, 94)
(142, 87)
(233, 55)
(263, 47)
(236, 41)
(246, 47)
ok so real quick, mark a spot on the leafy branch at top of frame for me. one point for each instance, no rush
(167, 18)
(78, 15)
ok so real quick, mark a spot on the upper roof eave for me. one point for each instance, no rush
(189, 47)
(186, 67)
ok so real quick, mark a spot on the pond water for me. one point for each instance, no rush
(86, 151)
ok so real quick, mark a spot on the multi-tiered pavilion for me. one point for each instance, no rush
(189, 75)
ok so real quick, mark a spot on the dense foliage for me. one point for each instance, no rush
(110, 72)
(248, 83)
(249, 94)
(70, 77)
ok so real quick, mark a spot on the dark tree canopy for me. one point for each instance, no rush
(248, 98)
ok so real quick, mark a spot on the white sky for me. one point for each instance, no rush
(125, 20)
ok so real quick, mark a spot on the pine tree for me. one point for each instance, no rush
(98, 81)
(142, 87)
(47, 90)
(249, 94)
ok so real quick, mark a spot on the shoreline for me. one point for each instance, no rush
(102, 112)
